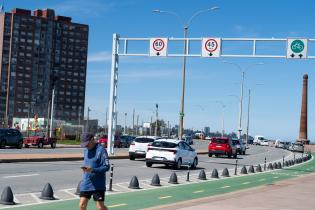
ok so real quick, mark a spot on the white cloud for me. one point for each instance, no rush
(103, 56)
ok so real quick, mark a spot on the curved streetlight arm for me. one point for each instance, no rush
(198, 13)
(180, 19)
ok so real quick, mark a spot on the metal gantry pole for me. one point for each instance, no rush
(113, 95)
(156, 120)
(241, 108)
(247, 127)
(182, 102)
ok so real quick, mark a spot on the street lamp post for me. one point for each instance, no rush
(222, 106)
(186, 26)
(247, 127)
(125, 123)
(156, 120)
(241, 95)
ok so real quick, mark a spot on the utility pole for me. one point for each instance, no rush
(151, 127)
(125, 123)
(106, 121)
(52, 112)
(247, 128)
(156, 122)
(137, 124)
(133, 122)
(87, 121)
(168, 129)
(241, 108)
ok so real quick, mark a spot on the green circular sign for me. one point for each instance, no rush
(297, 46)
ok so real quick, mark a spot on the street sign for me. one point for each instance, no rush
(158, 47)
(211, 47)
(297, 48)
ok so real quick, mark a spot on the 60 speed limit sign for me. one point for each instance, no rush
(211, 47)
(158, 47)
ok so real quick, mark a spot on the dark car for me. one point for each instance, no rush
(126, 140)
(104, 139)
(10, 137)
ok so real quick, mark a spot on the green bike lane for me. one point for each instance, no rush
(166, 195)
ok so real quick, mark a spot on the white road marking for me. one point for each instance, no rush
(70, 193)
(36, 198)
(164, 197)
(199, 191)
(117, 205)
(17, 176)
(246, 183)
(225, 187)
(261, 180)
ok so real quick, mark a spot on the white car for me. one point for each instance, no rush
(171, 152)
(264, 143)
(139, 146)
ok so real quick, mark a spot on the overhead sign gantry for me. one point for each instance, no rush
(211, 47)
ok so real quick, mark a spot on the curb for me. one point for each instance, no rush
(52, 159)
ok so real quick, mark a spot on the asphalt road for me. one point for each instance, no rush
(31, 177)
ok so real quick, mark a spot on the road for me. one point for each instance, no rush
(31, 177)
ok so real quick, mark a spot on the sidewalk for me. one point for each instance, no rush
(293, 194)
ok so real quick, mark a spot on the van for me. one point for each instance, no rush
(258, 139)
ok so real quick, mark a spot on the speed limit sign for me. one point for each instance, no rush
(158, 47)
(211, 47)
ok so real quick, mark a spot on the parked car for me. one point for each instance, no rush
(287, 145)
(240, 146)
(138, 148)
(264, 143)
(297, 147)
(104, 139)
(10, 137)
(188, 139)
(258, 139)
(279, 144)
(222, 146)
(39, 139)
(171, 152)
(126, 140)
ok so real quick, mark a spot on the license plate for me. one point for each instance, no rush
(138, 151)
(158, 158)
(218, 146)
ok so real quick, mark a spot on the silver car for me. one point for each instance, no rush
(297, 147)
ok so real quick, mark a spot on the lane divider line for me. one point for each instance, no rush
(261, 180)
(18, 176)
(198, 191)
(117, 205)
(246, 183)
(227, 186)
(36, 198)
(164, 197)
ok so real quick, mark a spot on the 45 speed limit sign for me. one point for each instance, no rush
(211, 47)
(158, 47)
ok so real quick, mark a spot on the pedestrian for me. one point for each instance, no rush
(94, 168)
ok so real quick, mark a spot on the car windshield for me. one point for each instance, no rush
(144, 140)
(260, 138)
(219, 141)
(164, 144)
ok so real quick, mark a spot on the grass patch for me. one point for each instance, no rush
(69, 142)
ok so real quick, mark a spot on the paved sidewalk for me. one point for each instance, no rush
(293, 194)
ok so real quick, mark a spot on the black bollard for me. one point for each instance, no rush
(270, 167)
(265, 164)
(244, 170)
(225, 173)
(173, 179)
(111, 178)
(156, 180)
(7, 197)
(215, 174)
(47, 193)
(258, 168)
(188, 172)
(202, 175)
(134, 183)
(251, 169)
(283, 160)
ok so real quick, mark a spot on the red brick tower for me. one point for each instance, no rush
(303, 121)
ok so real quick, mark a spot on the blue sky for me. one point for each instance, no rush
(144, 81)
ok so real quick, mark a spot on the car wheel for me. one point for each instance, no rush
(148, 164)
(26, 145)
(229, 155)
(209, 154)
(40, 145)
(178, 164)
(20, 145)
(195, 163)
(131, 157)
(235, 156)
(2, 144)
(244, 152)
(53, 145)
(216, 155)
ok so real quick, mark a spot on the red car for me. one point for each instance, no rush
(39, 141)
(222, 146)
(103, 140)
